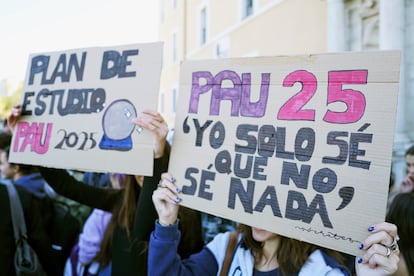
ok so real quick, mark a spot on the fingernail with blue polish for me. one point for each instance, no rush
(361, 246)
(371, 228)
(359, 260)
(178, 199)
(173, 179)
(178, 190)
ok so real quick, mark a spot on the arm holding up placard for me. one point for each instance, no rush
(132, 209)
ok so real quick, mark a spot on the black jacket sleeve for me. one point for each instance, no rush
(146, 215)
(66, 185)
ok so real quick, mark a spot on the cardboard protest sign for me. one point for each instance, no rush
(77, 107)
(298, 145)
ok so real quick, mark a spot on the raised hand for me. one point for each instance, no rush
(166, 198)
(154, 122)
(381, 251)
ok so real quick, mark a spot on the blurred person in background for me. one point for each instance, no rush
(401, 213)
(82, 261)
(407, 185)
(5, 141)
(125, 241)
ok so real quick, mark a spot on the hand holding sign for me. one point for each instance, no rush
(157, 125)
(104, 88)
(166, 199)
(295, 143)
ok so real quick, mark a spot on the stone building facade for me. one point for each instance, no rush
(363, 25)
(200, 29)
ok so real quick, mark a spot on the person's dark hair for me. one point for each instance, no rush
(291, 254)
(410, 151)
(401, 213)
(391, 182)
(122, 215)
(24, 169)
(5, 139)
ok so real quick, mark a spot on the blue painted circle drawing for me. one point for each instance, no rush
(117, 126)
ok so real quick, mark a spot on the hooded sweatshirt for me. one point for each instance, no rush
(34, 182)
(91, 237)
(163, 258)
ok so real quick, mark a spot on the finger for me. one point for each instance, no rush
(157, 124)
(377, 239)
(17, 107)
(143, 122)
(382, 233)
(385, 226)
(407, 182)
(151, 124)
(388, 264)
(156, 116)
(169, 181)
(152, 113)
(379, 261)
(170, 185)
(168, 177)
(15, 112)
(167, 195)
(376, 249)
(160, 197)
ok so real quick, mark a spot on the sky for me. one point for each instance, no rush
(35, 26)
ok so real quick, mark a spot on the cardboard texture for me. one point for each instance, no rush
(298, 145)
(78, 105)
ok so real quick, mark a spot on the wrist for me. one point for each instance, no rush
(159, 150)
(166, 222)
